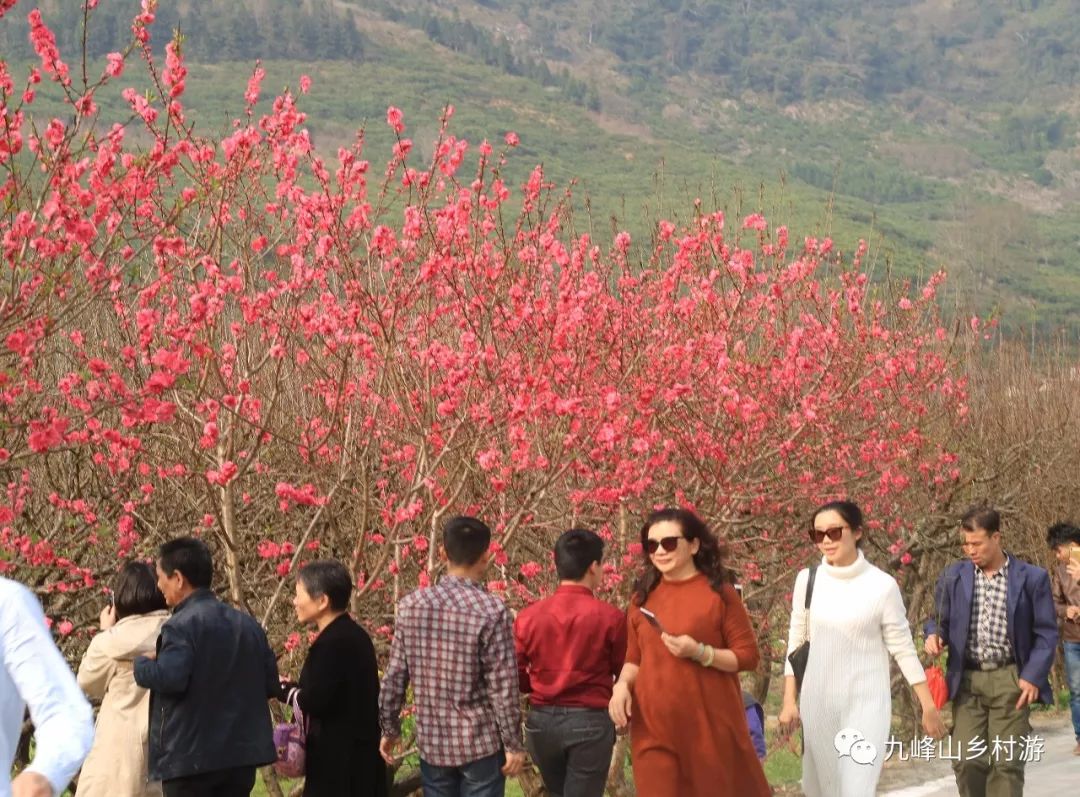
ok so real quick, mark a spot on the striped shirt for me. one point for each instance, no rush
(454, 643)
(988, 634)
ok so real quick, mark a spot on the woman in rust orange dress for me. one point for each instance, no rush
(689, 636)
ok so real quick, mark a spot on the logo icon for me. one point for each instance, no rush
(852, 742)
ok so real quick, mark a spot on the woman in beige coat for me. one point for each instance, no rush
(116, 766)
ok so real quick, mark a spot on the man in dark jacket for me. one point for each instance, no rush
(995, 615)
(209, 683)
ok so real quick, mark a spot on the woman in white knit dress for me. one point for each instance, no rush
(855, 622)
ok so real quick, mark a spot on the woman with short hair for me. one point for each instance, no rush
(116, 766)
(338, 689)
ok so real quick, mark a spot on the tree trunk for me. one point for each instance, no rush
(617, 783)
(531, 783)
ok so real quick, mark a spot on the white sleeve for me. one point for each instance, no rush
(799, 631)
(63, 721)
(896, 633)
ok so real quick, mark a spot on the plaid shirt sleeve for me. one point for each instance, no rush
(395, 680)
(500, 676)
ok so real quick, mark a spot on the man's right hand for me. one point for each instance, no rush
(515, 763)
(619, 707)
(388, 748)
(934, 645)
(1073, 568)
(1072, 613)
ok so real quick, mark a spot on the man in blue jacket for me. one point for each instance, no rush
(995, 614)
(209, 682)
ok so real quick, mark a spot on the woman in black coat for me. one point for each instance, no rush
(339, 690)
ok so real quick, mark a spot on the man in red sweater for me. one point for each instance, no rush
(570, 648)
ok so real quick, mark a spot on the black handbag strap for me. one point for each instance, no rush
(810, 586)
(809, 595)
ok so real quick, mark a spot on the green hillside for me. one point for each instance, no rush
(944, 131)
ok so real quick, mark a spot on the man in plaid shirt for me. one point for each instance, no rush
(454, 642)
(995, 614)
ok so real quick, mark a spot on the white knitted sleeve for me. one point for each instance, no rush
(897, 635)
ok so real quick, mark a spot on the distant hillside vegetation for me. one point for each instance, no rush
(944, 131)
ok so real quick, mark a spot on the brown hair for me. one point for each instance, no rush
(709, 559)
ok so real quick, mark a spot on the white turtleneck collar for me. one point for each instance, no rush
(848, 571)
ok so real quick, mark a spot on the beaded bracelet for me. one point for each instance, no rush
(709, 659)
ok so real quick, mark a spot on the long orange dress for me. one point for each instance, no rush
(688, 731)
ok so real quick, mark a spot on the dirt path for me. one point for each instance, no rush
(1055, 773)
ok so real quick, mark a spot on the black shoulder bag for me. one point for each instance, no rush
(801, 654)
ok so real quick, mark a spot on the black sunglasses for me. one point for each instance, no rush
(834, 533)
(669, 544)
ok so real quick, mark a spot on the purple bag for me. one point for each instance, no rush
(290, 741)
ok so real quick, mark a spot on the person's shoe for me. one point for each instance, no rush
(1077, 750)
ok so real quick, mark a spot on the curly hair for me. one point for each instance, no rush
(709, 558)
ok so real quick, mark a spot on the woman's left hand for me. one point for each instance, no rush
(932, 723)
(683, 646)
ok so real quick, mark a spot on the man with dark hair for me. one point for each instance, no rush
(465, 540)
(570, 649)
(1064, 541)
(995, 614)
(209, 682)
(191, 558)
(454, 642)
(981, 517)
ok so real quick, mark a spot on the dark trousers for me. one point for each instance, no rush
(572, 747)
(480, 778)
(237, 782)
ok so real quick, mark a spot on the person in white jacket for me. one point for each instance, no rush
(34, 675)
(116, 766)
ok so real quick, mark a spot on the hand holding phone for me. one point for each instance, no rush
(1072, 566)
(107, 618)
(652, 620)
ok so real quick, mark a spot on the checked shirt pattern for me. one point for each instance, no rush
(988, 635)
(454, 643)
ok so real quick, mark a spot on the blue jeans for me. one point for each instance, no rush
(480, 778)
(1072, 675)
